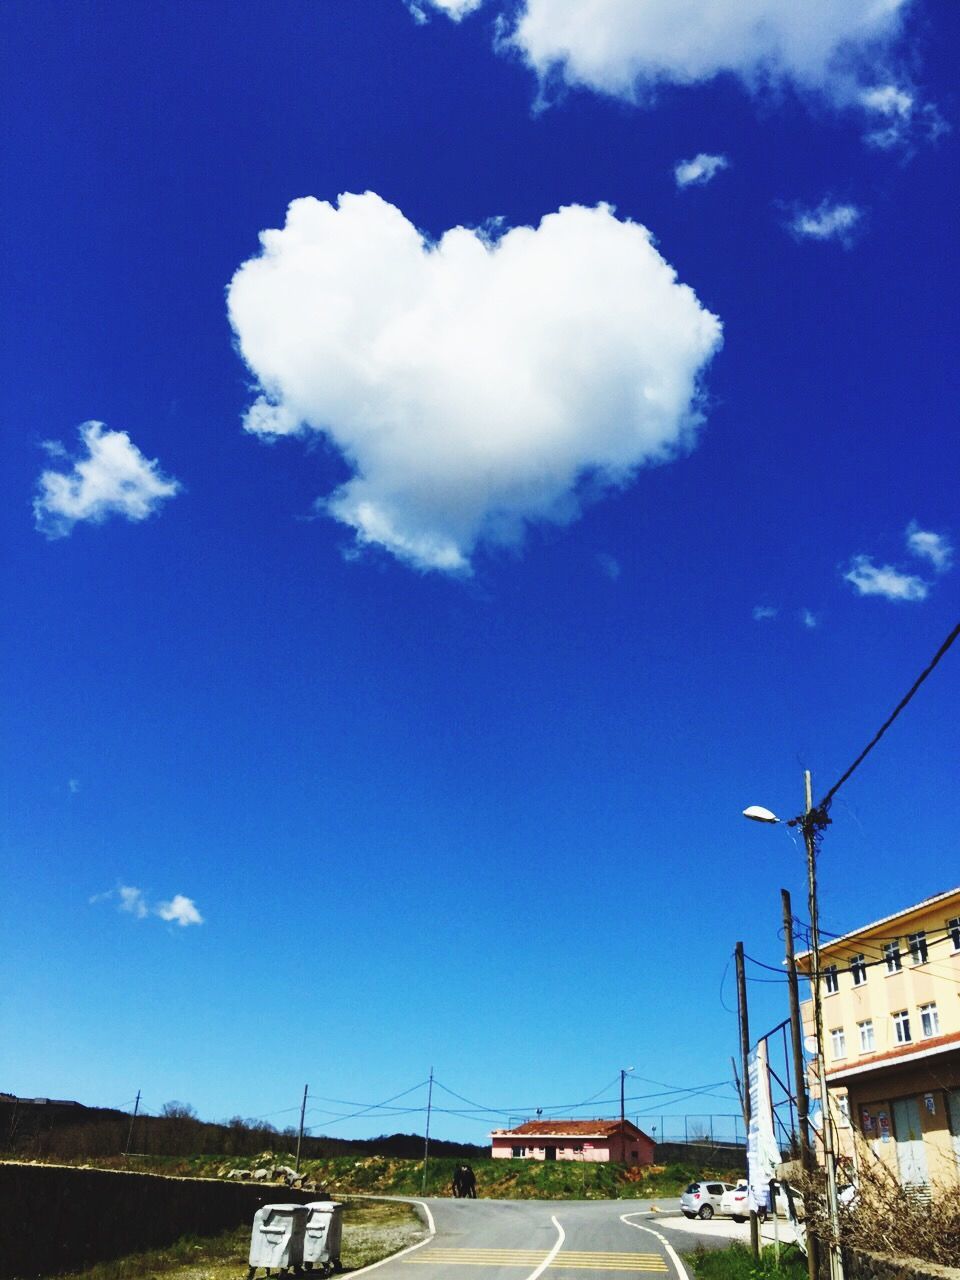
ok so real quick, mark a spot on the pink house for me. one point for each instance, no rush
(597, 1140)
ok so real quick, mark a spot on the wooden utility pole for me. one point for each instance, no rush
(799, 1073)
(745, 1070)
(303, 1112)
(426, 1138)
(136, 1108)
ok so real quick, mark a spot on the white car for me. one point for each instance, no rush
(735, 1202)
(702, 1199)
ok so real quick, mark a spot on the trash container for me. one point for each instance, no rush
(321, 1242)
(276, 1241)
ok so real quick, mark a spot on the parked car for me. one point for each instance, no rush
(734, 1202)
(702, 1199)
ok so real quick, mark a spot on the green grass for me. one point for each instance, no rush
(738, 1263)
(371, 1231)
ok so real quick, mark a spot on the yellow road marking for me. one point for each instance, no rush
(565, 1260)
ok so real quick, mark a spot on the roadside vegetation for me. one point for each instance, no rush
(738, 1263)
(371, 1231)
(496, 1179)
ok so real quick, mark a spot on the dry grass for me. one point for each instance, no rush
(371, 1230)
(888, 1218)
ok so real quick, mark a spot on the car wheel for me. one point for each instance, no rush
(706, 1212)
(688, 1214)
(736, 1217)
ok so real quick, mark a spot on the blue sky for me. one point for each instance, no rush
(385, 676)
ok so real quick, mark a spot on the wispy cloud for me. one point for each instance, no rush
(111, 477)
(455, 9)
(902, 122)
(809, 619)
(609, 566)
(870, 579)
(73, 786)
(179, 910)
(925, 544)
(132, 901)
(828, 221)
(762, 612)
(700, 170)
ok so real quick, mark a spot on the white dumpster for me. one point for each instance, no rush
(321, 1242)
(276, 1241)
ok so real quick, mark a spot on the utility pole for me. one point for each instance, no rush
(811, 823)
(745, 1072)
(623, 1076)
(426, 1138)
(136, 1108)
(799, 1072)
(303, 1112)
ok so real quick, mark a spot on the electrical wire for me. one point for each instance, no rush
(824, 804)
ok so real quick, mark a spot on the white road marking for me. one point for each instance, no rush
(431, 1225)
(671, 1252)
(561, 1236)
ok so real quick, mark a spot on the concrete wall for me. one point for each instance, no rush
(55, 1219)
(860, 1265)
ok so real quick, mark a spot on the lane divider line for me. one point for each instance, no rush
(561, 1236)
(671, 1251)
(431, 1226)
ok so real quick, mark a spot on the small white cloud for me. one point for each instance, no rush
(926, 545)
(609, 566)
(809, 619)
(132, 901)
(762, 612)
(73, 786)
(112, 478)
(869, 579)
(455, 9)
(700, 170)
(904, 121)
(476, 384)
(181, 910)
(828, 221)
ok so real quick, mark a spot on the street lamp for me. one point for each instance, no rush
(811, 824)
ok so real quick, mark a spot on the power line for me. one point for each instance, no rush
(824, 804)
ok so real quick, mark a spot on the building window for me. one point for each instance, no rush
(901, 1023)
(843, 1106)
(917, 942)
(954, 929)
(929, 1020)
(519, 1152)
(891, 953)
(578, 1148)
(838, 1043)
(866, 1036)
(858, 968)
(830, 979)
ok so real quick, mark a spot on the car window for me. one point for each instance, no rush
(694, 1186)
(715, 1188)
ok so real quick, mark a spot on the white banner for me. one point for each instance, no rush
(763, 1154)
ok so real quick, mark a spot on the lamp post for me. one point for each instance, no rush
(811, 824)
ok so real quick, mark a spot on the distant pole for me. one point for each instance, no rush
(623, 1076)
(303, 1112)
(426, 1136)
(799, 1072)
(136, 1108)
(745, 1070)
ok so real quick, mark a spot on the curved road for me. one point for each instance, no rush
(527, 1239)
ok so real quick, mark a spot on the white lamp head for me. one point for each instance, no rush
(756, 813)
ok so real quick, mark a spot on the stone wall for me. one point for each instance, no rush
(55, 1219)
(861, 1265)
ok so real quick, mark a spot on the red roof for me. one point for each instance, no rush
(567, 1129)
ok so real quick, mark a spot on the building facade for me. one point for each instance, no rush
(583, 1140)
(890, 995)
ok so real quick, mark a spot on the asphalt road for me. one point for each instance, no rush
(526, 1239)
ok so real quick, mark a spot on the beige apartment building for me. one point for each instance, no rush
(891, 1025)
